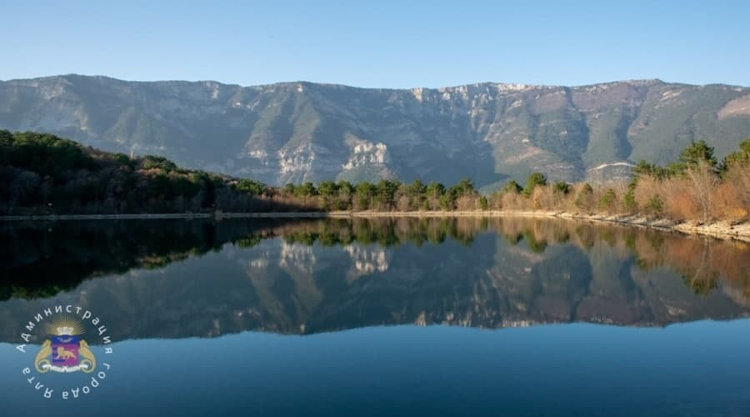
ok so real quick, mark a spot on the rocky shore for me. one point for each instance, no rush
(720, 229)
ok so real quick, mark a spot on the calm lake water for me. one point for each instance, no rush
(404, 317)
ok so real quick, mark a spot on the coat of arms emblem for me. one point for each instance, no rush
(65, 351)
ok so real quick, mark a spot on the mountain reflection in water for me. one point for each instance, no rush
(177, 278)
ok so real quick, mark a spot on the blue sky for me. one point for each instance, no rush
(380, 43)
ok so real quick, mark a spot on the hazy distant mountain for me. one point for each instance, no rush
(292, 132)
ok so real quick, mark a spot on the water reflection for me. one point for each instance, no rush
(200, 278)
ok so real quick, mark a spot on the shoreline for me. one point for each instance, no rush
(720, 230)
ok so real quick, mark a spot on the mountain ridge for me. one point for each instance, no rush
(305, 131)
(230, 84)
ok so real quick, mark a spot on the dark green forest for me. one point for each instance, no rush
(44, 174)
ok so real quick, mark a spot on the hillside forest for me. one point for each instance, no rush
(44, 174)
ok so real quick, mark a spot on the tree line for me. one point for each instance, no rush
(44, 174)
(387, 195)
(697, 187)
(41, 173)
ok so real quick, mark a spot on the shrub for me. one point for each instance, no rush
(534, 180)
(655, 205)
(562, 187)
(608, 201)
(483, 203)
(628, 202)
(585, 198)
(728, 203)
(511, 187)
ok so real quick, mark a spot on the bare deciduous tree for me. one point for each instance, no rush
(704, 181)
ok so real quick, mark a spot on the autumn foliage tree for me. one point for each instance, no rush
(699, 165)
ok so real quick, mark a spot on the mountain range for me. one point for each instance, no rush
(302, 131)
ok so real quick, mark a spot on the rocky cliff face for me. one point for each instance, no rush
(292, 132)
